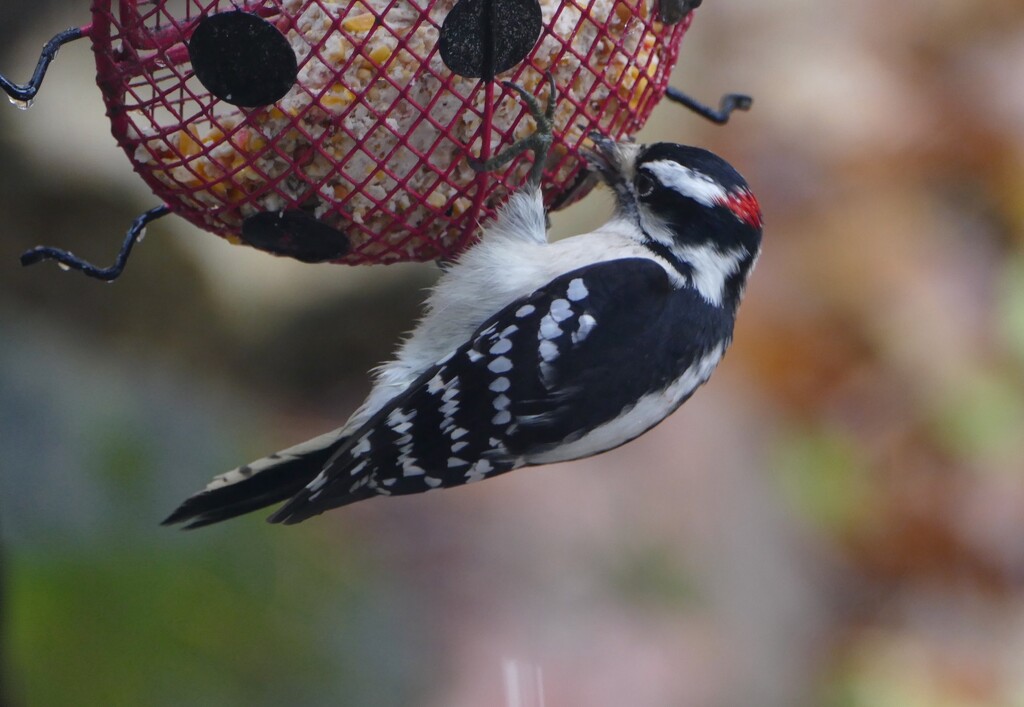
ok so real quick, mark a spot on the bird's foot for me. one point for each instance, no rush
(539, 142)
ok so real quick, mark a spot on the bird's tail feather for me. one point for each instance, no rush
(262, 483)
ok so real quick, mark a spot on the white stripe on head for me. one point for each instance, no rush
(688, 182)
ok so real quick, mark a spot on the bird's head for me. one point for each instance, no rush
(687, 205)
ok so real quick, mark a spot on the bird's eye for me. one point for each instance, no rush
(644, 184)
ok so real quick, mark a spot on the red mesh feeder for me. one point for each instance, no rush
(339, 130)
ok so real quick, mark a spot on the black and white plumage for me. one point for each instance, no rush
(533, 352)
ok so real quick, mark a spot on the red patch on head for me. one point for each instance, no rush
(744, 205)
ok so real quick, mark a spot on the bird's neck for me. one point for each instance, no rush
(718, 276)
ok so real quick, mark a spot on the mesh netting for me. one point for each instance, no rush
(372, 139)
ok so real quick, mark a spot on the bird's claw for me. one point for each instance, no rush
(539, 142)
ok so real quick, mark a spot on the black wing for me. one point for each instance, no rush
(573, 355)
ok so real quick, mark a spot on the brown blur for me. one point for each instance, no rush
(836, 519)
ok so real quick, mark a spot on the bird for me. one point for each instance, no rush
(532, 352)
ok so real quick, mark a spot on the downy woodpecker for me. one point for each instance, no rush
(533, 352)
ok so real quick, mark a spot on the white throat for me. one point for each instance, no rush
(711, 269)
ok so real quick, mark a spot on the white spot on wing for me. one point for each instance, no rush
(548, 350)
(502, 418)
(500, 365)
(560, 310)
(549, 329)
(547, 374)
(410, 468)
(502, 346)
(449, 408)
(362, 447)
(577, 290)
(435, 384)
(499, 385)
(399, 417)
(479, 471)
(526, 310)
(586, 325)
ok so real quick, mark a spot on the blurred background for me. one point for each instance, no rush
(836, 519)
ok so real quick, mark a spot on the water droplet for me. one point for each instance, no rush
(20, 104)
(63, 266)
(142, 235)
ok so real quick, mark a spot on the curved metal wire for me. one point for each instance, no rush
(69, 261)
(24, 93)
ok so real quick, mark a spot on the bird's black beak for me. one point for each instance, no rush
(604, 158)
(614, 162)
